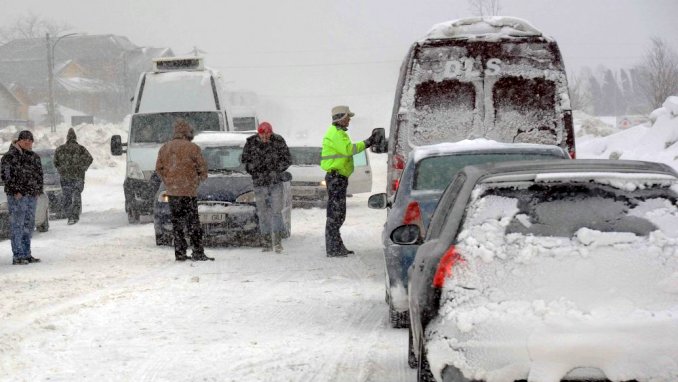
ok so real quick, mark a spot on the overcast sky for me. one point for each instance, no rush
(335, 48)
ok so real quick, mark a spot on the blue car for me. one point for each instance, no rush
(426, 174)
(226, 201)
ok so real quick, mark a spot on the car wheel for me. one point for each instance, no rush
(398, 320)
(44, 227)
(423, 371)
(132, 216)
(163, 239)
(411, 357)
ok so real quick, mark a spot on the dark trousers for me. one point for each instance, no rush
(336, 212)
(185, 216)
(72, 202)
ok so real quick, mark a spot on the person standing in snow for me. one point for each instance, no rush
(266, 157)
(337, 159)
(182, 167)
(22, 174)
(72, 161)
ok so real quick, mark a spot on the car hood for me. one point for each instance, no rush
(223, 187)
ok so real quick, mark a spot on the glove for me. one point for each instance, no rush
(369, 142)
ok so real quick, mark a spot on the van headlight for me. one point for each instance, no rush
(163, 197)
(247, 197)
(323, 183)
(134, 171)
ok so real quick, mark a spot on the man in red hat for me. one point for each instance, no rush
(266, 157)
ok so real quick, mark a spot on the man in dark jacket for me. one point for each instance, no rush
(22, 174)
(182, 167)
(266, 157)
(71, 161)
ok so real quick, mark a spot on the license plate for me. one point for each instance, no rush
(212, 218)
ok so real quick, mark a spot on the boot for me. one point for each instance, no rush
(277, 242)
(201, 257)
(266, 242)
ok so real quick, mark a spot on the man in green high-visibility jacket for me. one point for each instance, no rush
(337, 160)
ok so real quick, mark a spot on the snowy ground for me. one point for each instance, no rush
(107, 304)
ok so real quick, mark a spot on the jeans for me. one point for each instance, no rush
(72, 190)
(336, 212)
(269, 201)
(185, 215)
(21, 224)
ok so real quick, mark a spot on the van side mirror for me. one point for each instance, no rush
(116, 145)
(378, 201)
(406, 234)
(380, 145)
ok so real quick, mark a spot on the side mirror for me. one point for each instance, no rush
(116, 145)
(380, 145)
(406, 234)
(378, 201)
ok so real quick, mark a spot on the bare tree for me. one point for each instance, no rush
(484, 8)
(658, 73)
(31, 26)
(580, 94)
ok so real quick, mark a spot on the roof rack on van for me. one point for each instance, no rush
(495, 27)
(168, 64)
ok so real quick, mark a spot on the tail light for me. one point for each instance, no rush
(447, 262)
(397, 167)
(413, 216)
(573, 154)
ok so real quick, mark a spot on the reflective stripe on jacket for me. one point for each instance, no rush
(338, 151)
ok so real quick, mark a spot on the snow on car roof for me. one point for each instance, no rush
(485, 28)
(468, 145)
(218, 138)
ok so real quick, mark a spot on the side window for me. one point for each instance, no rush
(442, 211)
(360, 159)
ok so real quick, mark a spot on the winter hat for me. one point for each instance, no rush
(25, 134)
(265, 128)
(340, 112)
(70, 136)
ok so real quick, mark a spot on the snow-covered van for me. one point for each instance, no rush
(495, 77)
(177, 87)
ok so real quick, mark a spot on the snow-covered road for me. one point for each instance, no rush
(107, 304)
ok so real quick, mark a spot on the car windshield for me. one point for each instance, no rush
(435, 173)
(159, 127)
(305, 156)
(223, 158)
(47, 162)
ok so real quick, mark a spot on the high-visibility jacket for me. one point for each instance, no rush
(338, 151)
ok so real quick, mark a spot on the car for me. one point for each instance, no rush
(226, 200)
(560, 269)
(308, 178)
(427, 172)
(52, 184)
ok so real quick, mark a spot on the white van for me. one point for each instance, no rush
(245, 119)
(495, 77)
(177, 87)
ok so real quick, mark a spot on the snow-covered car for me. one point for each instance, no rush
(308, 178)
(226, 200)
(52, 183)
(559, 270)
(429, 169)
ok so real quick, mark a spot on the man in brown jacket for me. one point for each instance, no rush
(182, 167)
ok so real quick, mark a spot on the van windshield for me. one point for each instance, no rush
(505, 91)
(305, 156)
(159, 127)
(244, 124)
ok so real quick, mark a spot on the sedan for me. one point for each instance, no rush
(52, 183)
(548, 271)
(226, 201)
(427, 172)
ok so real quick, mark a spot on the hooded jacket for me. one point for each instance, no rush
(72, 159)
(180, 163)
(21, 172)
(265, 162)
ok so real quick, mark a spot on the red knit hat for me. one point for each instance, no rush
(265, 128)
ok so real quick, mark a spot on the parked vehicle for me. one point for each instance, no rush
(52, 184)
(147, 133)
(427, 172)
(492, 77)
(559, 268)
(226, 201)
(308, 179)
